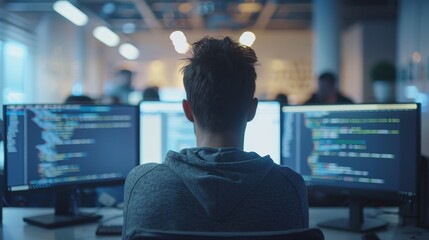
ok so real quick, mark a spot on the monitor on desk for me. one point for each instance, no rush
(164, 127)
(60, 147)
(361, 150)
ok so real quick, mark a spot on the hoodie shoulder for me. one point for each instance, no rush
(140, 171)
(291, 175)
(135, 174)
(298, 185)
(132, 195)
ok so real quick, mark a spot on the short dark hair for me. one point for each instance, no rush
(328, 77)
(126, 73)
(219, 80)
(127, 77)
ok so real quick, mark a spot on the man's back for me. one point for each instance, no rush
(216, 186)
(204, 189)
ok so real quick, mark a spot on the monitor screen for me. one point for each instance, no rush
(50, 145)
(164, 127)
(369, 147)
(362, 151)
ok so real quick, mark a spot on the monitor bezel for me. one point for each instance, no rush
(371, 194)
(77, 184)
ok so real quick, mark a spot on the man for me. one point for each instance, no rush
(117, 90)
(327, 92)
(216, 186)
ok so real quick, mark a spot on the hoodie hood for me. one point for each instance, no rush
(219, 178)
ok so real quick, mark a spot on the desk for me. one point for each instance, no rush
(15, 229)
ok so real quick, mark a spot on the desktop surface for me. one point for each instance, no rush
(14, 228)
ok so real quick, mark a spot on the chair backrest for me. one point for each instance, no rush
(296, 234)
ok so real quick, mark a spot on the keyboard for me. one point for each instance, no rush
(115, 230)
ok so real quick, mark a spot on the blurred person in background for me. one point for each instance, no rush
(151, 94)
(327, 92)
(117, 90)
(79, 99)
(282, 99)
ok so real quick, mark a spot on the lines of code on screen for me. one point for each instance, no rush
(365, 149)
(59, 144)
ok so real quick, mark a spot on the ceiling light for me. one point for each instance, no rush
(129, 28)
(177, 36)
(106, 36)
(128, 51)
(180, 42)
(70, 12)
(109, 8)
(181, 48)
(247, 38)
(185, 8)
(416, 57)
(249, 7)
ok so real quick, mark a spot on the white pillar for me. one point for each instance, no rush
(326, 40)
(79, 62)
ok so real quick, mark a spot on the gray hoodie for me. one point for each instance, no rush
(206, 189)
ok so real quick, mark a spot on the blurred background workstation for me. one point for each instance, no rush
(120, 61)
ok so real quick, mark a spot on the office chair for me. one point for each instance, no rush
(296, 234)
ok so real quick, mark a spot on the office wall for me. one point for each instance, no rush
(67, 54)
(363, 45)
(413, 59)
(284, 61)
(351, 73)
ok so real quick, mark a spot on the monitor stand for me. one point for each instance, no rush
(66, 212)
(355, 222)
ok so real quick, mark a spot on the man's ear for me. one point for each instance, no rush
(252, 109)
(187, 110)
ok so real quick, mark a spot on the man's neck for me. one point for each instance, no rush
(210, 139)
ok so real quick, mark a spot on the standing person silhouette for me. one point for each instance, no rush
(117, 90)
(327, 92)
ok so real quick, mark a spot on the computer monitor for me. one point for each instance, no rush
(55, 147)
(164, 127)
(361, 150)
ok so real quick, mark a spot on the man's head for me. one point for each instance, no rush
(219, 80)
(123, 78)
(327, 87)
(151, 94)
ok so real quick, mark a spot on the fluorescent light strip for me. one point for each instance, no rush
(106, 36)
(180, 42)
(128, 51)
(181, 47)
(70, 12)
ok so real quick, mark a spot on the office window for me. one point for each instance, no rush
(15, 66)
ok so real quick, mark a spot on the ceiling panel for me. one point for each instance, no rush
(129, 16)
